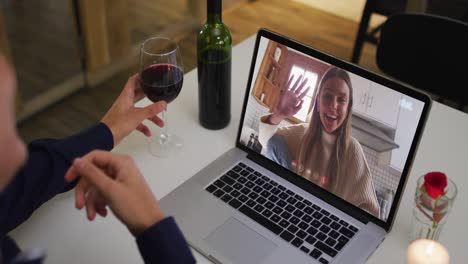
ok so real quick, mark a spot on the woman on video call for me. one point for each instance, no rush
(322, 150)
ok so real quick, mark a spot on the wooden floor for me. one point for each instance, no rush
(43, 43)
(321, 30)
(149, 17)
(44, 40)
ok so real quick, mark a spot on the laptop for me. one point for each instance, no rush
(265, 202)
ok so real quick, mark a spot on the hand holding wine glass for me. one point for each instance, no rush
(123, 116)
(161, 78)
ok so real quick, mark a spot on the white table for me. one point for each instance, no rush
(70, 238)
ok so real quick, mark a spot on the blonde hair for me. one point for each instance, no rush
(310, 143)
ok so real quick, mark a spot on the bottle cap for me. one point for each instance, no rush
(214, 6)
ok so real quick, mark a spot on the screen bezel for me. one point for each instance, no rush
(306, 185)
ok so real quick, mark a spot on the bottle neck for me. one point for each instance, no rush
(214, 8)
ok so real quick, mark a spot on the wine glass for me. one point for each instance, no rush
(161, 77)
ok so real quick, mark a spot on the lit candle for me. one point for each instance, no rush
(424, 251)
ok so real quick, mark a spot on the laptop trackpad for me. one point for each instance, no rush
(239, 243)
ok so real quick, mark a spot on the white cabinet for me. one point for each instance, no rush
(383, 104)
(360, 90)
(375, 102)
(409, 115)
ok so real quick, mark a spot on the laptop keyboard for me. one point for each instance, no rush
(305, 225)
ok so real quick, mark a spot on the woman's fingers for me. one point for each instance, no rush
(131, 90)
(157, 121)
(114, 180)
(138, 91)
(288, 85)
(299, 106)
(90, 204)
(105, 160)
(295, 86)
(102, 211)
(303, 93)
(94, 175)
(100, 206)
(80, 193)
(95, 204)
(299, 88)
(144, 130)
(71, 174)
(96, 169)
(150, 110)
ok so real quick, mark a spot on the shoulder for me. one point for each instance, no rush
(293, 130)
(293, 135)
(355, 147)
(355, 154)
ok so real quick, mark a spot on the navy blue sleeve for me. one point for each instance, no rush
(42, 176)
(164, 243)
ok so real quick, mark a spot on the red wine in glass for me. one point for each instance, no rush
(162, 82)
(161, 76)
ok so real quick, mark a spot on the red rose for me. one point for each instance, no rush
(435, 183)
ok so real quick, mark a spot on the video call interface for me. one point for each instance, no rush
(343, 133)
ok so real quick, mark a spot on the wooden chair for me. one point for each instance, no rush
(429, 52)
(381, 7)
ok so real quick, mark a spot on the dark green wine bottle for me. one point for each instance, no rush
(214, 69)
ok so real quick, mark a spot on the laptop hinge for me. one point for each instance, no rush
(213, 259)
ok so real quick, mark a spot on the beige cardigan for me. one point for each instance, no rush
(354, 186)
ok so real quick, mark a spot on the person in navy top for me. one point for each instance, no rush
(102, 180)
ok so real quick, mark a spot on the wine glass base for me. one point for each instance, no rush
(165, 147)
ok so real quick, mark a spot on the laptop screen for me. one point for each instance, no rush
(344, 133)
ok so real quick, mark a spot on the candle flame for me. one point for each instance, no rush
(430, 248)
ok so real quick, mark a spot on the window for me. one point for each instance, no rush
(299, 72)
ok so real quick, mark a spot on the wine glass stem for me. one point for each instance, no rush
(164, 136)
